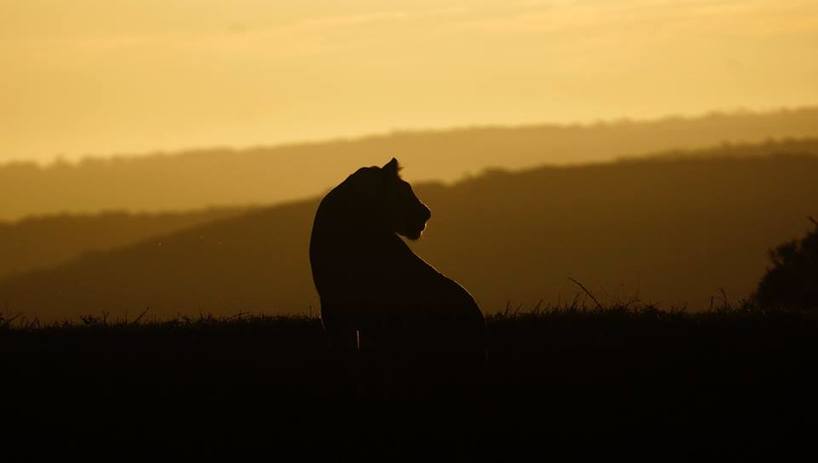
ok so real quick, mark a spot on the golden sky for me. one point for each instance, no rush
(99, 77)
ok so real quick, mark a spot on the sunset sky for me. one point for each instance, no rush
(101, 77)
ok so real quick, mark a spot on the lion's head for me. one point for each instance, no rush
(392, 198)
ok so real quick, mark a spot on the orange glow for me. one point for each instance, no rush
(102, 77)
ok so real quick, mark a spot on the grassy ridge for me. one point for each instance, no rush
(733, 373)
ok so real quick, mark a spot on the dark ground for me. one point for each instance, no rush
(735, 382)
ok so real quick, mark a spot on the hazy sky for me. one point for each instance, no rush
(126, 76)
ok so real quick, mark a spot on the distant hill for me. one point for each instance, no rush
(264, 175)
(40, 242)
(667, 230)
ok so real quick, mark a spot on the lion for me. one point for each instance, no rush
(376, 294)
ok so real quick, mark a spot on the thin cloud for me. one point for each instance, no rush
(752, 17)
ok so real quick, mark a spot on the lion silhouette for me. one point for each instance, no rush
(375, 293)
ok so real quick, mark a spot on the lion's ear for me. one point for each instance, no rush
(392, 167)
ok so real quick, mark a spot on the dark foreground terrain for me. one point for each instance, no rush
(731, 382)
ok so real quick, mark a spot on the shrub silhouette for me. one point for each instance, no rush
(792, 282)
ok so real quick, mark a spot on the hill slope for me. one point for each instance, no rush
(40, 242)
(266, 175)
(673, 231)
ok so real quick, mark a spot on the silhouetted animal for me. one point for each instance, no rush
(376, 294)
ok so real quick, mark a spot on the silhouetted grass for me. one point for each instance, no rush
(209, 382)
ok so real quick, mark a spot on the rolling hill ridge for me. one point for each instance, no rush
(264, 175)
(46, 241)
(677, 231)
